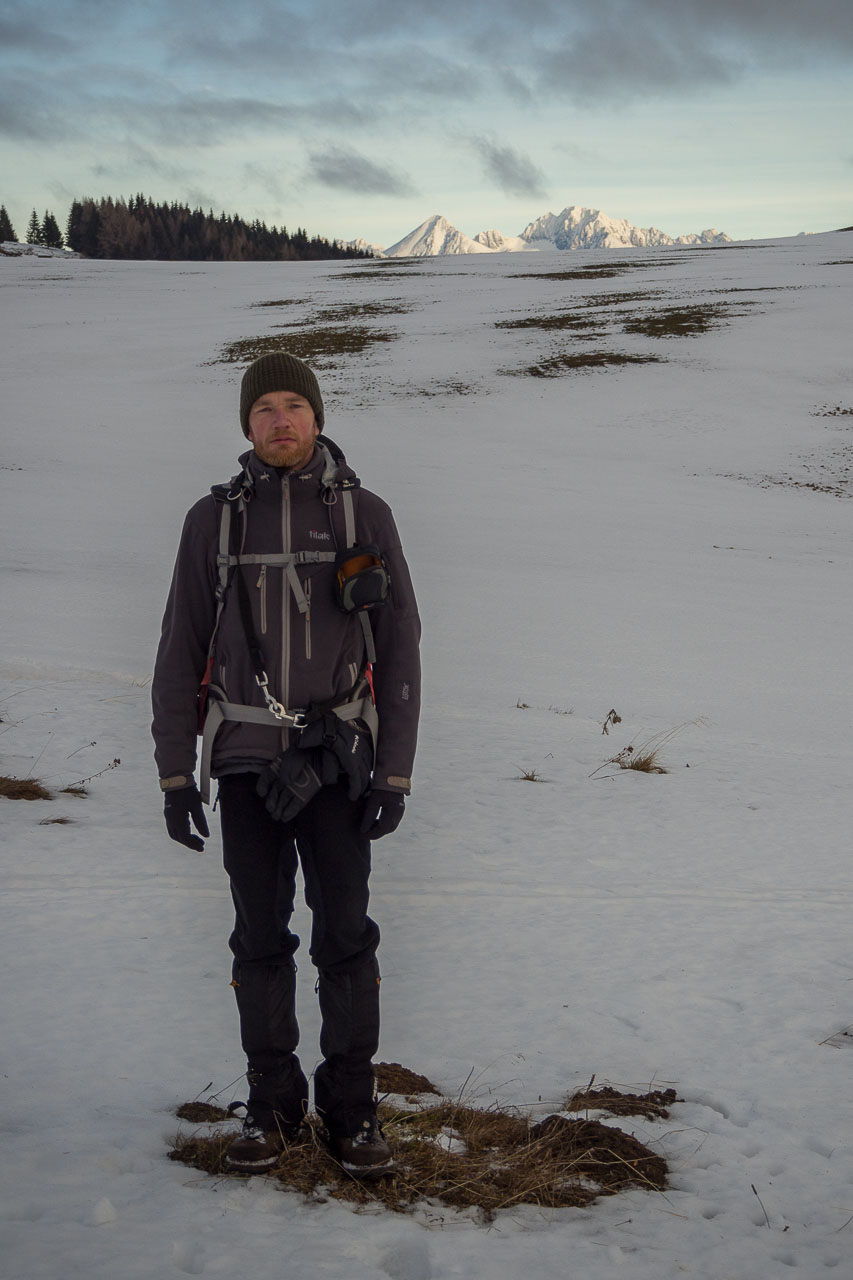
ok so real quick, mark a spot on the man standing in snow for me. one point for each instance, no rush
(291, 634)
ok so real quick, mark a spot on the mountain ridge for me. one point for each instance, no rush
(575, 227)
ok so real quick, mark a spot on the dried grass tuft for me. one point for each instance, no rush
(201, 1112)
(463, 1158)
(653, 1105)
(321, 344)
(645, 757)
(23, 789)
(555, 366)
(391, 1077)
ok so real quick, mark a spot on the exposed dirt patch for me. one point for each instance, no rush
(597, 300)
(449, 387)
(555, 366)
(597, 270)
(320, 345)
(362, 311)
(460, 1157)
(559, 320)
(281, 302)
(680, 322)
(380, 274)
(834, 411)
(579, 273)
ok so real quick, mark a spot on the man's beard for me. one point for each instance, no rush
(285, 455)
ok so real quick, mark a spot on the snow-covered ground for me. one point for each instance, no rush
(636, 538)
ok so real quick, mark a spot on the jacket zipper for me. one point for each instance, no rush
(308, 620)
(285, 602)
(262, 587)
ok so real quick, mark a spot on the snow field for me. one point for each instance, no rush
(587, 542)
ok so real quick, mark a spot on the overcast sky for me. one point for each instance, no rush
(364, 117)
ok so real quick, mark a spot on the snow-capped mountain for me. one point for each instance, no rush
(365, 246)
(432, 239)
(574, 228)
(502, 244)
(579, 228)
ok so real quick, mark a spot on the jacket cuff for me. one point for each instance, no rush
(175, 783)
(393, 783)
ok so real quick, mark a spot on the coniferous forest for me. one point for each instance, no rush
(139, 228)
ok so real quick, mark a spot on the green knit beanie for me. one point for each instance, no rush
(279, 371)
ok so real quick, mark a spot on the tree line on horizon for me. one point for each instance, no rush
(45, 231)
(140, 229)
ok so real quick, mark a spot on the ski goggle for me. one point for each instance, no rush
(362, 578)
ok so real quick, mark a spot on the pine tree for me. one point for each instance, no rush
(34, 229)
(7, 231)
(50, 233)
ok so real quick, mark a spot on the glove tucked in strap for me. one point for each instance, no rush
(327, 749)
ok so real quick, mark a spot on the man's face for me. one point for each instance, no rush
(282, 428)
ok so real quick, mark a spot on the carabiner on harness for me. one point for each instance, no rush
(295, 719)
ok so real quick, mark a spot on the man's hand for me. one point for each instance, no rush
(383, 813)
(179, 807)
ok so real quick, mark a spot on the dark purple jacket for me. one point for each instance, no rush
(309, 657)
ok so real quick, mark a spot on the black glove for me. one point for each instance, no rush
(290, 781)
(347, 748)
(179, 806)
(383, 813)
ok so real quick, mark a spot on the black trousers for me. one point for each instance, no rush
(261, 857)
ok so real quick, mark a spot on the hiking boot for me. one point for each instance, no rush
(364, 1153)
(260, 1145)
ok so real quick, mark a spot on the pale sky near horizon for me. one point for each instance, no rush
(365, 118)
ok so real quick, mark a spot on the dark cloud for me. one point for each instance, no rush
(348, 171)
(20, 35)
(510, 170)
(29, 113)
(411, 72)
(629, 49)
(266, 65)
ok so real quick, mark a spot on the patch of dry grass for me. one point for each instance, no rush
(362, 310)
(321, 344)
(558, 320)
(463, 1158)
(529, 775)
(653, 1105)
(201, 1113)
(281, 302)
(381, 272)
(833, 411)
(579, 362)
(23, 789)
(680, 322)
(391, 1077)
(645, 758)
